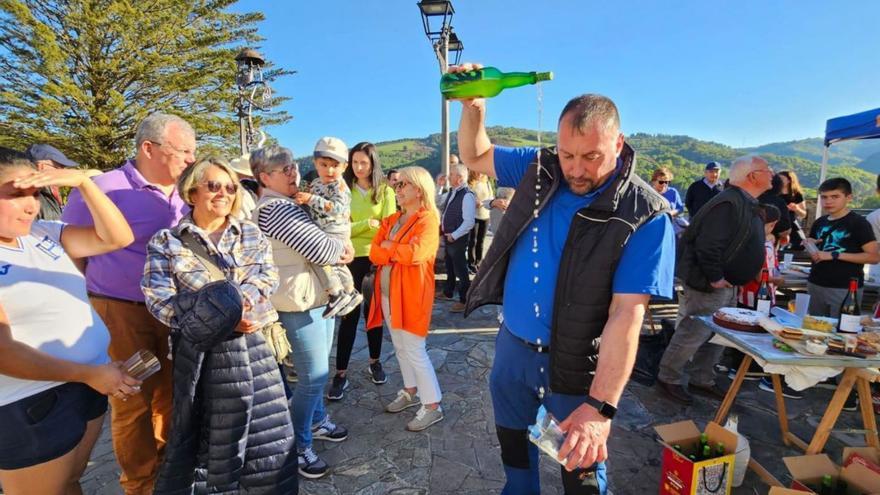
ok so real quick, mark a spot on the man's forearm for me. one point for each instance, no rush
(617, 352)
(859, 258)
(473, 141)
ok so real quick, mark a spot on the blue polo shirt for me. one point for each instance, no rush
(646, 266)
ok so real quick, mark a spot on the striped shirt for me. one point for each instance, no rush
(285, 221)
(243, 254)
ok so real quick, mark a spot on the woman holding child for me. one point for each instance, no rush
(299, 248)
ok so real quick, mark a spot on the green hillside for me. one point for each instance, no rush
(858, 161)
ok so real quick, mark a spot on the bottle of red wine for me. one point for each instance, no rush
(849, 310)
(762, 298)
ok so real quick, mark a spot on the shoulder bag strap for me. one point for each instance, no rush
(188, 239)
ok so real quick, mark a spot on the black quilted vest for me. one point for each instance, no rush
(592, 251)
(453, 215)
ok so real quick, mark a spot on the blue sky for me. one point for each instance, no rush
(742, 73)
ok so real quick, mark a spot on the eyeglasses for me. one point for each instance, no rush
(286, 170)
(399, 184)
(662, 182)
(214, 187)
(768, 170)
(175, 149)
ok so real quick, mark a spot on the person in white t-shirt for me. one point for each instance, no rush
(54, 369)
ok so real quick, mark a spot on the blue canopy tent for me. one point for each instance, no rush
(864, 125)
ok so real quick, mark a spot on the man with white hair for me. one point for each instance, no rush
(459, 216)
(722, 248)
(144, 189)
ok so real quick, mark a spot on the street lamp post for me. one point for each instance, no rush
(445, 42)
(249, 79)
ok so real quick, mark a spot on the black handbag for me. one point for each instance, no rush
(273, 333)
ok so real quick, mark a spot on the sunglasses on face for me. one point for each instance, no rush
(662, 182)
(214, 187)
(399, 185)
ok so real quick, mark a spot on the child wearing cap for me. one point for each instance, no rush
(329, 200)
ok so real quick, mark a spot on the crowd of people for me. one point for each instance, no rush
(234, 274)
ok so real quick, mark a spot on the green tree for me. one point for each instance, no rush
(81, 74)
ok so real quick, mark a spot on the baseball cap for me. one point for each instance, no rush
(46, 152)
(242, 165)
(331, 147)
(713, 166)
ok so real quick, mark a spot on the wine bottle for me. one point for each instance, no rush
(707, 452)
(486, 82)
(719, 450)
(762, 298)
(849, 310)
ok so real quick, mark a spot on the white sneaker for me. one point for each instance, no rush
(425, 418)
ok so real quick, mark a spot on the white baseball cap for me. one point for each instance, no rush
(331, 147)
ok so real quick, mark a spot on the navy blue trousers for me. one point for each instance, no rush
(518, 374)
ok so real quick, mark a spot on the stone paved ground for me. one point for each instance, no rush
(461, 455)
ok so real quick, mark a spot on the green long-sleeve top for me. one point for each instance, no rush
(362, 210)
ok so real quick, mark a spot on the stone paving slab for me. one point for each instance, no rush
(461, 455)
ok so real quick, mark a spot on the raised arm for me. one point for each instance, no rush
(473, 141)
(110, 230)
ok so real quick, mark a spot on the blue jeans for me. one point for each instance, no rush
(518, 373)
(311, 337)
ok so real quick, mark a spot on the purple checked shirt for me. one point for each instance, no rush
(147, 209)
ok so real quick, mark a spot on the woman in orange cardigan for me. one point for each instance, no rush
(404, 250)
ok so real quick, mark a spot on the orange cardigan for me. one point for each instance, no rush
(411, 256)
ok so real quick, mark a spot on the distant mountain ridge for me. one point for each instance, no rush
(858, 161)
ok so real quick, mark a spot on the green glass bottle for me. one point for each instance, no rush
(486, 82)
(825, 487)
(707, 453)
(719, 450)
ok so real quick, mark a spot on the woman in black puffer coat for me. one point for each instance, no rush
(209, 279)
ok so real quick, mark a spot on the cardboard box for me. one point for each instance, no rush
(809, 469)
(866, 456)
(682, 476)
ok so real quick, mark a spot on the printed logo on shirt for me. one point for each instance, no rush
(832, 239)
(4, 269)
(50, 247)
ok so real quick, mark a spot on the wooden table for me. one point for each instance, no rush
(857, 372)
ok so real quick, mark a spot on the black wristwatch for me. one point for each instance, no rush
(835, 255)
(604, 408)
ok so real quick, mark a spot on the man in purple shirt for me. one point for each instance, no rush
(144, 190)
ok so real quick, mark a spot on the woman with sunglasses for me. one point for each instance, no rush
(661, 180)
(299, 248)
(55, 374)
(228, 393)
(403, 292)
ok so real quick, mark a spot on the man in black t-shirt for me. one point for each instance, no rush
(845, 243)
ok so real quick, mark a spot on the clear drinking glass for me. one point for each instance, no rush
(546, 434)
(142, 365)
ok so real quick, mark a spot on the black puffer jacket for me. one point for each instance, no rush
(231, 430)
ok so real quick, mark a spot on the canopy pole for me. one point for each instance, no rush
(822, 173)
